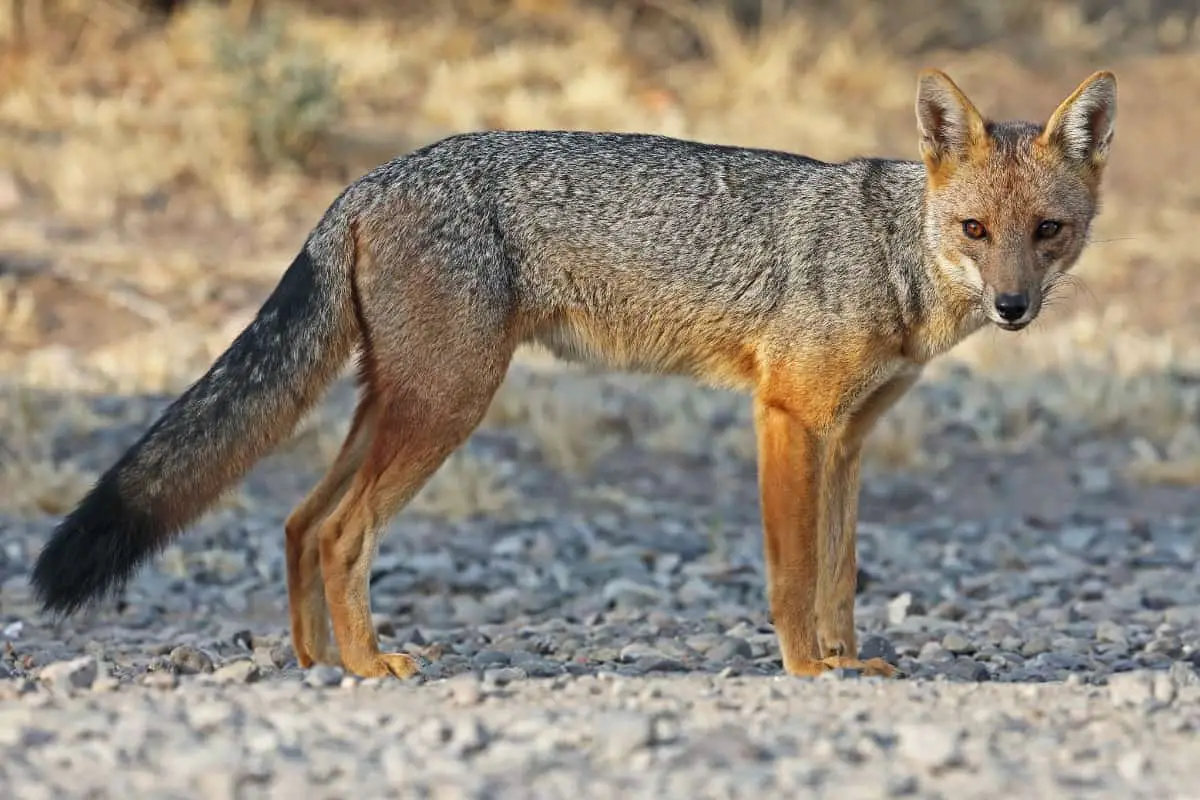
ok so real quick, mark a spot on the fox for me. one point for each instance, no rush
(819, 289)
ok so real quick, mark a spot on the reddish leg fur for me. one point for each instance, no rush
(306, 593)
(837, 586)
(808, 476)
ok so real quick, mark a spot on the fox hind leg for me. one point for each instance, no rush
(427, 410)
(306, 595)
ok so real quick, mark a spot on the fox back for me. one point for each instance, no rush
(646, 252)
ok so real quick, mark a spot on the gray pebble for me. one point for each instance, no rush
(957, 644)
(625, 593)
(1036, 646)
(1109, 631)
(932, 747)
(934, 653)
(324, 675)
(1131, 689)
(160, 679)
(77, 673)
(270, 657)
(241, 671)
(490, 658)
(188, 660)
(899, 607)
(465, 689)
(967, 669)
(502, 676)
(875, 646)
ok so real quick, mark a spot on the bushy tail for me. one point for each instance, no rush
(250, 400)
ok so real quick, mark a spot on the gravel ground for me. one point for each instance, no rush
(621, 647)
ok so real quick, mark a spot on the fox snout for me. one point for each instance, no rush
(1010, 309)
(1012, 306)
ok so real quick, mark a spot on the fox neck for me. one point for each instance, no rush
(943, 310)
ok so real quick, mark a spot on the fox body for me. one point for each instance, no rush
(820, 289)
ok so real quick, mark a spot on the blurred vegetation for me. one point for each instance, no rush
(286, 92)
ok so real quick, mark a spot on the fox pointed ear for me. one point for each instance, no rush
(1082, 126)
(950, 124)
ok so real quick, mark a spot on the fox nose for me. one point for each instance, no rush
(1011, 306)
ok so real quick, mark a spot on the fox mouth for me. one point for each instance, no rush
(1012, 326)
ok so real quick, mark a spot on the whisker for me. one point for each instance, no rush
(1115, 239)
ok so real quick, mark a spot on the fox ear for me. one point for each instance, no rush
(950, 124)
(1082, 126)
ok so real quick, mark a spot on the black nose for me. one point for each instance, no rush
(1011, 306)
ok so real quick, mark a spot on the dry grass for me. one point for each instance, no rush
(153, 181)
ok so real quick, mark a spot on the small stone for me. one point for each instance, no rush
(898, 608)
(957, 644)
(659, 664)
(160, 679)
(1095, 480)
(1077, 538)
(665, 729)
(1036, 646)
(1164, 688)
(1130, 689)
(695, 591)
(1170, 646)
(490, 658)
(629, 594)
(934, 653)
(240, 671)
(622, 733)
(902, 786)
(875, 646)
(188, 660)
(729, 648)
(465, 690)
(502, 676)
(934, 747)
(270, 657)
(1109, 631)
(635, 651)
(78, 673)
(1133, 766)
(966, 669)
(105, 683)
(468, 737)
(324, 675)
(1184, 674)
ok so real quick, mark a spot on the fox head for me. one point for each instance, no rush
(1009, 204)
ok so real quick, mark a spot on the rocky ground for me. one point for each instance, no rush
(585, 585)
(621, 646)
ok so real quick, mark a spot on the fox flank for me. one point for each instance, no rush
(820, 290)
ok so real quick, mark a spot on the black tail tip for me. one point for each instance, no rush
(93, 552)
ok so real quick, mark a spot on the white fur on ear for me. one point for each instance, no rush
(1082, 126)
(947, 120)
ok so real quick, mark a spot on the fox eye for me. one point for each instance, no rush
(973, 229)
(1048, 229)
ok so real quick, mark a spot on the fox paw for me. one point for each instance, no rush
(383, 665)
(871, 668)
